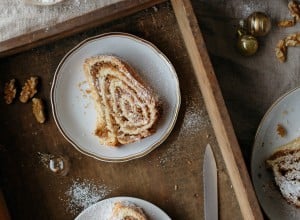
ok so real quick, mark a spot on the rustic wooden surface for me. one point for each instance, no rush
(32, 192)
(217, 110)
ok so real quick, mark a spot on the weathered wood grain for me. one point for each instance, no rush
(217, 110)
(32, 192)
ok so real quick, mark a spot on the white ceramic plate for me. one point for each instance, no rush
(103, 209)
(284, 111)
(74, 111)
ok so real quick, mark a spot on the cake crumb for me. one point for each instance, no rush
(281, 131)
(175, 187)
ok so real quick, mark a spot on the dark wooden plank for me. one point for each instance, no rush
(72, 26)
(32, 192)
(216, 109)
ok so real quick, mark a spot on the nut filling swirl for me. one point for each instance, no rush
(127, 108)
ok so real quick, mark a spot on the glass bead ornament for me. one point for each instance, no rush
(57, 164)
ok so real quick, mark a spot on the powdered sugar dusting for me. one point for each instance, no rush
(195, 121)
(83, 194)
(169, 155)
(287, 176)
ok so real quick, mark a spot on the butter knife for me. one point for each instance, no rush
(210, 182)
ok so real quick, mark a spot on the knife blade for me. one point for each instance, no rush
(210, 182)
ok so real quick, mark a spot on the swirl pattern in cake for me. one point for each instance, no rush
(127, 108)
(127, 211)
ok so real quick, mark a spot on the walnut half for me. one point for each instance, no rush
(287, 23)
(38, 110)
(280, 51)
(29, 89)
(292, 40)
(10, 91)
(294, 8)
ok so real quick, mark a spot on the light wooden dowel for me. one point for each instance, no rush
(216, 108)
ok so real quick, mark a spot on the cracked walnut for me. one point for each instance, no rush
(29, 89)
(10, 91)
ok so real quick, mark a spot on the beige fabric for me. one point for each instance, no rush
(17, 18)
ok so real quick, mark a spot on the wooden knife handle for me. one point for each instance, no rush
(4, 214)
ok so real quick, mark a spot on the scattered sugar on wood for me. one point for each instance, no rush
(195, 121)
(170, 155)
(82, 194)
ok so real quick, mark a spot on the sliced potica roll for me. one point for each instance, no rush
(127, 211)
(127, 108)
(285, 163)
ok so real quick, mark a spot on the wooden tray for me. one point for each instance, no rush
(170, 176)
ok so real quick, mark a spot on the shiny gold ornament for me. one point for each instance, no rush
(258, 24)
(246, 44)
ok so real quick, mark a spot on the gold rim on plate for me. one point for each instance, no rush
(154, 145)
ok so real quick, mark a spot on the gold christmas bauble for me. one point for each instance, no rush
(258, 24)
(247, 45)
